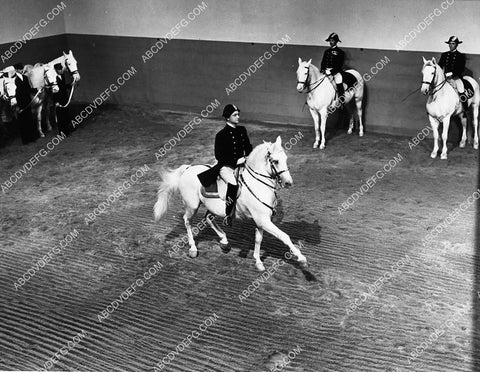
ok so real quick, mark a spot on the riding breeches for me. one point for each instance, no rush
(338, 78)
(228, 175)
(457, 84)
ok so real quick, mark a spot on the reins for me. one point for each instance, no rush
(274, 178)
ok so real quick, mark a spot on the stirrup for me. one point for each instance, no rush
(227, 221)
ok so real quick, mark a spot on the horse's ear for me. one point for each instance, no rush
(424, 60)
(64, 53)
(433, 60)
(309, 61)
(299, 60)
(278, 142)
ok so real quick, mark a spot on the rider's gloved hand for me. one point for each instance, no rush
(449, 74)
(328, 71)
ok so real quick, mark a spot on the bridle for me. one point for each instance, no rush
(431, 89)
(307, 83)
(6, 95)
(274, 178)
(74, 73)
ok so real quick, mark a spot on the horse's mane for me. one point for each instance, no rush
(257, 151)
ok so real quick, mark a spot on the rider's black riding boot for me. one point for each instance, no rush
(230, 202)
(464, 100)
(340, 92)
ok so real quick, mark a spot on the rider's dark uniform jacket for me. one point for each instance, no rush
(333, 58)
(230, 145)
(62, 95)
(453, 62)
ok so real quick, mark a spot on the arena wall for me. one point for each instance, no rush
(223, 40)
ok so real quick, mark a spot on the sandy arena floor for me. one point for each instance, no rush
(409, 298)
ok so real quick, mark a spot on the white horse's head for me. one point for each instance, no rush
(430, 73)
(8, 90)
(271, 160)
(303, 74)
(71, 64)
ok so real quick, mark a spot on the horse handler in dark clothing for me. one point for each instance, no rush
(232, 145)
(25, 121)
(64, 118)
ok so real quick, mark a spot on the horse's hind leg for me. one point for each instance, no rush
(358, 104)
(475, 126)
(187, 218)
(221, 234)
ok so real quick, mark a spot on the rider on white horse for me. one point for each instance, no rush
(332, 62)
(453, 64)
(232, 145)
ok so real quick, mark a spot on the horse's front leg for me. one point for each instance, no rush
(314, 114)
(434, 123)
(47, 114)
(269, 227)
(446, 125)
(463, 120)
(38, 111)
(323, 125)
(256, 253)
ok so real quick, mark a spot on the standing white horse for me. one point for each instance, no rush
(43, 78)
(265, 169)
(322, 97)
(443, 102)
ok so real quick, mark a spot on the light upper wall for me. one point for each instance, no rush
(19, 18)
(373, 24)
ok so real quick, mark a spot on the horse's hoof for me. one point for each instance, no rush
(315, 145)
(42, 135)
(192, 253)
(303, 264)
(360, 134)
(433, 155)
(223, 241)
(322, 147)
(475, 146)
(349, 131)
(260, 266)
(443, 156)
(462, 145)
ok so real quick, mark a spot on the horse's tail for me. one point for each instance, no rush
(168, 186)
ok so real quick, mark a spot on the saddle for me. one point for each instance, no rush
(218, 189)
(468, 91)
(348, 80)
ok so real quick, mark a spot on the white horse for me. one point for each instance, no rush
(265, 169)
(322, 97)
(443, 102)
(43, 78)
(68, 61)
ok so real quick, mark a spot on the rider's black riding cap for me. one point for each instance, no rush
(229, 110)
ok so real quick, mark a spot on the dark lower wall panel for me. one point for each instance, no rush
(189, 74)
(35, 50)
